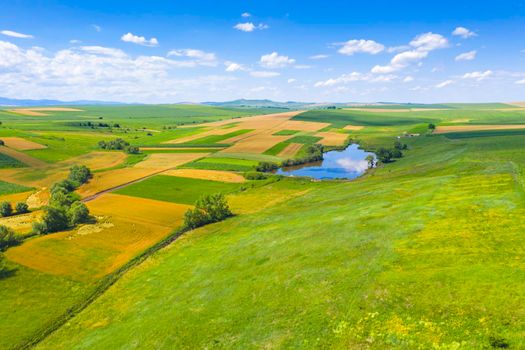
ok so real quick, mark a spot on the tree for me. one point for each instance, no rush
(431, 126)
(79, 174)
(6, 209)
(208, 209)
(55, 219)
(396, 153)
(22, 208)
(8, 238)
(78, 213)
(400, 146)
(2, 143)
(384, 155)
(266, 167)
(65, 186)
(60, 198)
(370, 160)
(132, 150)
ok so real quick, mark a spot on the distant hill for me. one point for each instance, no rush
(4, 101)
(260, 103)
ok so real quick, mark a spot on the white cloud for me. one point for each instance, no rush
(233, 67)
(318, 57)
(101, 50)
(408, 79)
(264, 74)
(202, 57)
(274, 60)
(463, 32)
(246, 14)
(477, 75)
(97, 27)
(352, 165)
(429, 41)
(16, 34)
(421, 46)
(395, 49)
(443, 84)
(466, 56)
(96, 72)
(250, 27)
(75, 41)
(520, 82)
(140, 40)
(361, 46)
(291, 80)
(354, 77)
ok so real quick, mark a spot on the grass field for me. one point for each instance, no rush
(422, 253)
(176, 189)
(9, 162)
(9, 188)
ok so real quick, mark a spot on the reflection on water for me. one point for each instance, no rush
(347, 164)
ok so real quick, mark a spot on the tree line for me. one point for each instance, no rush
(118, 144)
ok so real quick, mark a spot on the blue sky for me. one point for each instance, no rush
(173, 51)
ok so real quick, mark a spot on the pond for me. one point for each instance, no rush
(346, 164)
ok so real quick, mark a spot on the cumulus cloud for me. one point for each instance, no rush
(318, 57)
(75, 41)
(97, 72)
(16, 34)
(408, 79)
(463, 32)
(264, 74)
(421, 46)
(466, 56)
(139, 40)
(361, 46)
(246, 14)
(233, 67)
(354, 77)
(351, 165)
(274, 60)
(444, 83)
(520, 82)
(200, 57)
(478, 76)
(250, 27)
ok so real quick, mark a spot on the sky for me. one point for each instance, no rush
(315, 51)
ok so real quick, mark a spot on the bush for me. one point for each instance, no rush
(6, 209)
(60, 198)
(8, 238)
(266, 167)
(116, 144)
(22, 208)
(2, 143)
(255, 175)
(313, 153)
(39, 228)
(132, 150)
(384, 155)
(79, 174)
(55, 219)
(431, 126)
(208, 209)
(78, 213)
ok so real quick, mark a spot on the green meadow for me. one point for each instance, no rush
(425, 252)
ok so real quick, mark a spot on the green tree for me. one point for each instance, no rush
(78, 213)
(432, 126)
(6, 209)
(79, 174)
(55, 219)
(8, 238)
(2, 143)
(370, 160)
(384, 155)
(21, 208)
(266, 167)
(208, 209)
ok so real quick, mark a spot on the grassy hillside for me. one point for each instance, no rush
(423, 253)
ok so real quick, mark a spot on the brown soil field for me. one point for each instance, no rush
(353, 127)
(21, 144)
(458, 128)
(21, 224)
(37, 112)
(332, 138)
(215, 175)
(290, 150)
(24, 158)
(125, 226)
(168, 160)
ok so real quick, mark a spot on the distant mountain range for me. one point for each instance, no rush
(13, 102)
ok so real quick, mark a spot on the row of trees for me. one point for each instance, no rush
(8, 238)
(65, 210)
(6, 209)
(118, 144)
(208, 209)
(313, 153)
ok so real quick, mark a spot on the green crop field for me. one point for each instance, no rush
(9, 162)
(176, 189)
(425, 252)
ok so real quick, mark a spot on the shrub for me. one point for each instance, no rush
(431, 126)
(8, 238)
(266, 167)
(55, 219)
(39, 228)
(60, 198)
(79, 174)
(2, 143)
(22, 208)
(384, 155)
(132, 150)
(78, 213)
(116, 144)
(312, 153)
(208, 209)
(255, 175)
(65, 186)
(6, 209)
(400, 146)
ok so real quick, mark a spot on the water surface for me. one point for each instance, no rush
(346, 164)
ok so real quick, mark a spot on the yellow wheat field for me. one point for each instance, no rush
(21, 144)
(214, 175)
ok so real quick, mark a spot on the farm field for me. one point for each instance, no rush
(424, 250)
